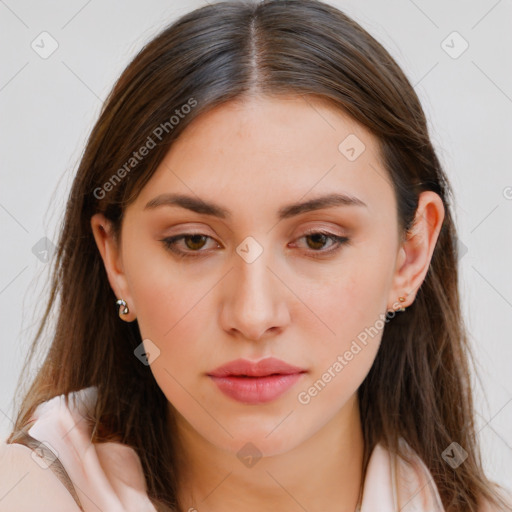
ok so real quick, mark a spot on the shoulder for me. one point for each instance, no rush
(28, 485)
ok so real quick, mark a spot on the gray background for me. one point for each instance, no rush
(48, 107)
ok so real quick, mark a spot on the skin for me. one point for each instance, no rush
(253, 157)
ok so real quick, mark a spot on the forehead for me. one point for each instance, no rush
(262, 150)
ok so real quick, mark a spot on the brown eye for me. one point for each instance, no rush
(318, 240)
(193, 242)
(196, 241)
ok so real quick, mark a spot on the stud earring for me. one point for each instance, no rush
(401, 299)
(124, 309)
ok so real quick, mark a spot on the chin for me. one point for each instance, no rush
(261, 439)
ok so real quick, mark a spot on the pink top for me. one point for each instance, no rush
(109, 476)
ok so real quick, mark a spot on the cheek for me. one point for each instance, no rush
(173, 303)
(352, 312)
(175, 320)
(352, 300)
(161, 291)
(341, 362)
(172, 311)
(173, 315)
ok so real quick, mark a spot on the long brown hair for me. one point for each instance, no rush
(419, 385)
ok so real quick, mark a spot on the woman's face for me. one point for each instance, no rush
(257, 280)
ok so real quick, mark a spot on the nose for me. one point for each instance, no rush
(255, 300)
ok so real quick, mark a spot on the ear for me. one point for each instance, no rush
(110, 251)
(415, 253)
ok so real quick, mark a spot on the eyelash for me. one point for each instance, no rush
(170, 244)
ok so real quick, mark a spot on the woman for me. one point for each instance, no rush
(261, 201)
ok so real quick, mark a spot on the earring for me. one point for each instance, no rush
(124, 310)
(401, 299)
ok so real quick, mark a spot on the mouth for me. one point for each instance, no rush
(256, 390)
(256, 383)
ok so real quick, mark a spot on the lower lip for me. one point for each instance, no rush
(256, 390)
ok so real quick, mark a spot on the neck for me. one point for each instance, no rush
(324, 473)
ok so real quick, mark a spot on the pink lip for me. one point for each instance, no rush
(255, 383)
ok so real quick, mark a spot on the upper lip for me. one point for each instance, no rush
(261, 368)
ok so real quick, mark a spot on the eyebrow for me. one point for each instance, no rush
(291, 210)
